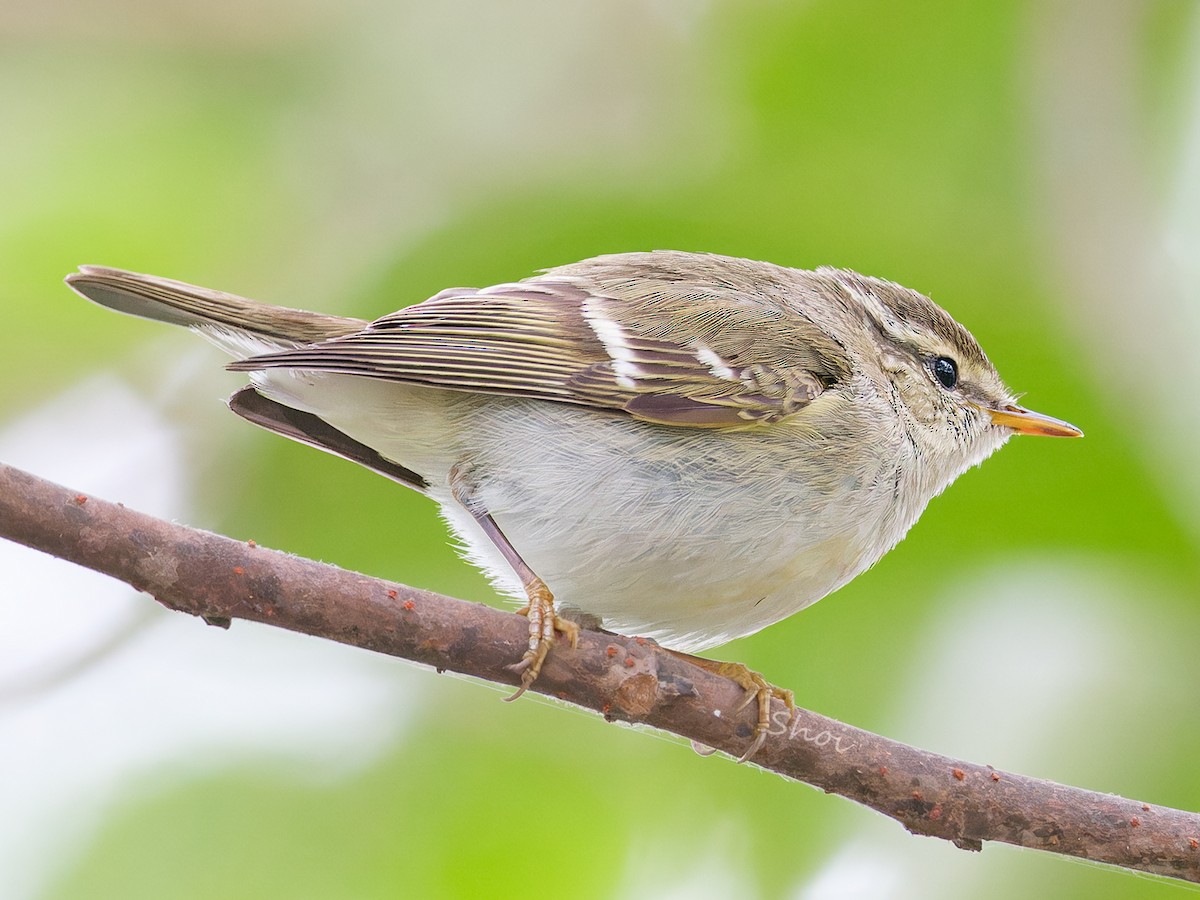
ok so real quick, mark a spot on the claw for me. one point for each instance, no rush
(543, 620)
(756, 688)
(543, 623)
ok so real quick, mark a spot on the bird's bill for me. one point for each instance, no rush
(1026, 421)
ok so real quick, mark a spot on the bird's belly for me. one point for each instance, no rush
(691, 537)
(675, 534)
(704, 602)
(691, 591)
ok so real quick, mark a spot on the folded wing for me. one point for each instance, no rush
(674, 352)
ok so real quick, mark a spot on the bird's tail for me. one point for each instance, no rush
(215, 314)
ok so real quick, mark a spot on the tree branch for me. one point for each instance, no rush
(627, 679)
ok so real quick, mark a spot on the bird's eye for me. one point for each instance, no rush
(945, 370)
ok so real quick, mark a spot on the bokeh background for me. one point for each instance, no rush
(1034, 166)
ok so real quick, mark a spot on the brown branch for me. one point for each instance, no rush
(623, 678)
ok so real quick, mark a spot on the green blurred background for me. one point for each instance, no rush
(1034, 167)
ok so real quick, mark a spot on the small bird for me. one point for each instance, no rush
(683, 446)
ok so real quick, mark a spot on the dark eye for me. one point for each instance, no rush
(945, 370)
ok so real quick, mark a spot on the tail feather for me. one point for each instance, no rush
(178, 303)
(316, 432)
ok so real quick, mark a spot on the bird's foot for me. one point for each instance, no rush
(543, 623)
(757, 689)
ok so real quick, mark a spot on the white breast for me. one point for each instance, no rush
(647, 527)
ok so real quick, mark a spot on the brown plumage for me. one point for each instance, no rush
(685, 446)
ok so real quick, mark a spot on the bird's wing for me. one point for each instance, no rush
(683, 351)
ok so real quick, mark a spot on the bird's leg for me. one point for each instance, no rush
(543, 620)
(756, 688)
